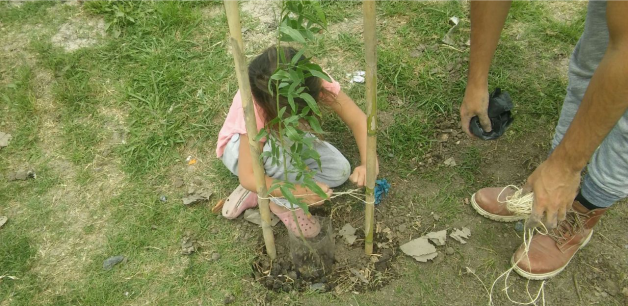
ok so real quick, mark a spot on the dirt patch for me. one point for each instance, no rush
(353, 26)
(15, 3)
(336, 267)
(565, 11)
(262, 35)
(79, 32)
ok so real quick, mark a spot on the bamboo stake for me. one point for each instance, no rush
(370, 44)
(237, 47)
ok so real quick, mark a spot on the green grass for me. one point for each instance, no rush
(111, 129)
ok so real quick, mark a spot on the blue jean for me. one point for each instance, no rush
(606, 181)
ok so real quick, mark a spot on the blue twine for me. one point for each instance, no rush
(381, 189)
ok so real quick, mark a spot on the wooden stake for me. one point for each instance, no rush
(370, 44)
(237, 47)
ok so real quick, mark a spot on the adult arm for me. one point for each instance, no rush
(487, 21)
(555, 182)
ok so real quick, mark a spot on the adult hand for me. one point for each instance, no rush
(310, 197)
(358, 176)
(475, 103)
(555, 187)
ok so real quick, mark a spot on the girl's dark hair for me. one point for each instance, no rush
(260, 71)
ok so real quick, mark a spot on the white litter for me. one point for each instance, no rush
(348, 233)
(461, 235)
(438, 238)
(357, 76)
(420, 249)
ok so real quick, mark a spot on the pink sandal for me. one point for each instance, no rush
(309, 226)
(240, 200)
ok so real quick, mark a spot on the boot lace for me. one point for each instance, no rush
(572, 225)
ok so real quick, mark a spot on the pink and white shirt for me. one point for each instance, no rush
(235, 124)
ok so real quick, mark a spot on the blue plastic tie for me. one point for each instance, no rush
(381, 189)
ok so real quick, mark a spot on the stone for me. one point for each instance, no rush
(450, 162)
(318, 287)
(215, 256)
(4, 139)
(254, 216)
(449, 251)
(110, 262)
(229, 298)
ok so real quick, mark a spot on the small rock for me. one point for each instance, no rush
(254, 216)
(443, 137)
(318, 287)
(21, 175)
(153, 227)
(215, 256)
(451, 162)
(611, 287)
(112, 261)
(436, 217)
(178, 182)
(196, 196)
(163, 198)
(465, 201)
(188, 245)
(449, 251)
(292, 275)
(229, 298)
(625, 292)
(3, 221)
(4, 139)
(402, 228)
(519, 227)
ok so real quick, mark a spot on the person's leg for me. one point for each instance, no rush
(584, 60)
(231, 154)
(335, 168)
(607, 179)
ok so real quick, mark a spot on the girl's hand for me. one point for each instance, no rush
(310, 197)
(358, 176)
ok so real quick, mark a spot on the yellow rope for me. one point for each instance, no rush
(521, 204)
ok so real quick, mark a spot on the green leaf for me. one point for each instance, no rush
(292, 33)
(321, 75)
(297, 56)
(311, 184)
(314, 124)
(262, 133)
(293, 106)
(311, 102)
(281, 112)
(287, 193)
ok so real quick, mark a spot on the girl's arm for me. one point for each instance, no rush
(355, 119)
(247, 179)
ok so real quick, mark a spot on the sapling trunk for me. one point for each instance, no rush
(370, 45)
(237, 47)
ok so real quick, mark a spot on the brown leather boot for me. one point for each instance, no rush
(491, 203)
(549, 254)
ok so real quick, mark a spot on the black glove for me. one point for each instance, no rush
(499, 107)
